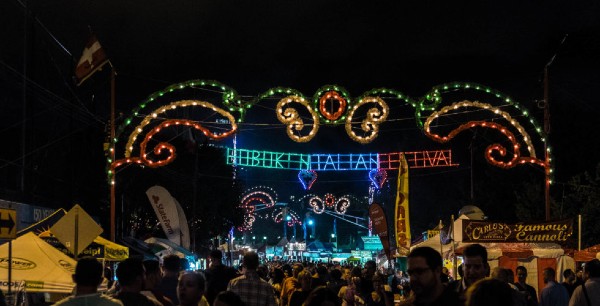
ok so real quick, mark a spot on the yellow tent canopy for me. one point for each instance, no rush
(100, 248)
(36, 266)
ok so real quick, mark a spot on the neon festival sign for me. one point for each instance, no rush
(338, 162)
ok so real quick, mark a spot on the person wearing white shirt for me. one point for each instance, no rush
(588, 294)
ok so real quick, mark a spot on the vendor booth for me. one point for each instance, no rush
(587, 254)
(36, 267)
(535, 246)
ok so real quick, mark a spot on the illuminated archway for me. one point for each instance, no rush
(442, 113)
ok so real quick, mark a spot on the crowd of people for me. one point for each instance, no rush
(277, 283)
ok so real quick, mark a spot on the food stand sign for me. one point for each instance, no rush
(485, 231)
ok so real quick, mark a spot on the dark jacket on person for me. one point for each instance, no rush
(217, 279)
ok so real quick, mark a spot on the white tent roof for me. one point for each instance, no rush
(168, 247)
(36, 266)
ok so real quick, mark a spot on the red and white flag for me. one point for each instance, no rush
(92, 60)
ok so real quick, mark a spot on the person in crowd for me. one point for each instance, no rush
(87, 277)
(299, 295)
(399, 283)
(336, 282)
(579, 276)
(227, 298)
(321, 296)
(366, 278)
(290, 284)
(168, 285)
(276, 280)
(569, 282)
(511, 278)
(382, 293)
(132, 278)
(321, 278)
(350, 294)
(190, 289)
(444, 279)
(446, 272)
(489, 292)
(287, 270)
(424, 269)
(217, 275)
(346, 274)
(527, 290)
(589, 293)
(474, 267)
(153, 278)
(108, 276)
(504, 275)
(263, 272)
(253, 290)
(553, 294)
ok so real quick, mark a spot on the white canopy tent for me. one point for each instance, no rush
(162, 247)
(36, 266)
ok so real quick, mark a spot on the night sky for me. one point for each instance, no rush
(252, 46)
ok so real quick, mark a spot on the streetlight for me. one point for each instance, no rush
(334, 242)
(311, 223)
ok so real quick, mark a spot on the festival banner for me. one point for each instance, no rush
(380, 227)
(166, 211)
(486, 231)
(401, 214)
(184, 230)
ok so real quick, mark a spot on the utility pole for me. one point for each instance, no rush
(113, 75)
(547, 132)
(547, 129)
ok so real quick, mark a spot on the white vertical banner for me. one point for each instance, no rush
(184, 228)
(166, 211)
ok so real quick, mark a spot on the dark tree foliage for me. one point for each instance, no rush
(199, 179)
(582, 196)
(530, 205)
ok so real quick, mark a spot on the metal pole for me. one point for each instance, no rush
(76, 242)
(284, 221)
(547, 128)
(195, 194)
(24, 106)
(579, 234)
(9, 293)
(112, 153)
(454, 262)
(547, 131)
(440, 226)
